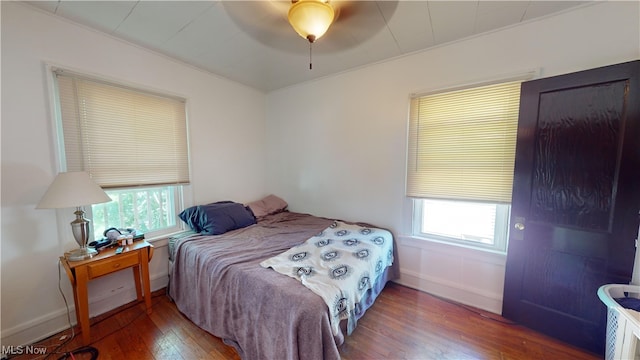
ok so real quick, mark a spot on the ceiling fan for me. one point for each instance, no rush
(267, 22)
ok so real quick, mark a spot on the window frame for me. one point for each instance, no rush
(501, 228)
(503, 211)
(178, 201)
(181, 192)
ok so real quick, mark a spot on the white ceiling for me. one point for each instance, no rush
(252, 43)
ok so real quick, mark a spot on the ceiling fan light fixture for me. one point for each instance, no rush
(311, 18)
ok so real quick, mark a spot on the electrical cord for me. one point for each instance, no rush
(84, 349)
(87, 349)
(127, 307)
(66, 304)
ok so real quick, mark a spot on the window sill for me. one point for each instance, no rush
(452, 248)
(162, 240)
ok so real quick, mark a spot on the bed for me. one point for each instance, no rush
(226, 284)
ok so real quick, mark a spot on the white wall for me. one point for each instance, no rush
(226, 129)
(336, 147)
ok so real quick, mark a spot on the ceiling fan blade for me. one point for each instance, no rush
(357, 22)
(266, 22)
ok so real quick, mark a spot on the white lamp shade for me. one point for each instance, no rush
(311, 18)
(72, 189)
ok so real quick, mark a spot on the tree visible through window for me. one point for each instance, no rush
(146, 210)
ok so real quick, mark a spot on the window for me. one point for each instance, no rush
(482, 225)
(149, 210)
(133, 143)
(460, 162)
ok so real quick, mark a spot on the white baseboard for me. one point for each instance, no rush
(44, 326)
(463, 294)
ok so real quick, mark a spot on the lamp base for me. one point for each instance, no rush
(81, 254)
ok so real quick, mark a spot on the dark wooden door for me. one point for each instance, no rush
(576, 197)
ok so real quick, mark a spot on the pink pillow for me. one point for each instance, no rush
(271, 204)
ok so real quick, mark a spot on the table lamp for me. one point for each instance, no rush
(75, 189)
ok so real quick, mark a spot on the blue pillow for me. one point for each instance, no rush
(217, 218)
(191, 216)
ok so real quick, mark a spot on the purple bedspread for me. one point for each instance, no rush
(217, 282)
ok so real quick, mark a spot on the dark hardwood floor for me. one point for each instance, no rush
(402, 324)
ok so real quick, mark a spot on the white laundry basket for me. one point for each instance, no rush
(617, 322)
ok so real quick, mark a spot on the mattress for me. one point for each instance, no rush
(218, 283)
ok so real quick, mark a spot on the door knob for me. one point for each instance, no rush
(518, 225)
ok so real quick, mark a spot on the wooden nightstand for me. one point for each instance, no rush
(135, 256)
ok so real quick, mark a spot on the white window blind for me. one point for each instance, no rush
(462, 144)
(121, 136)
